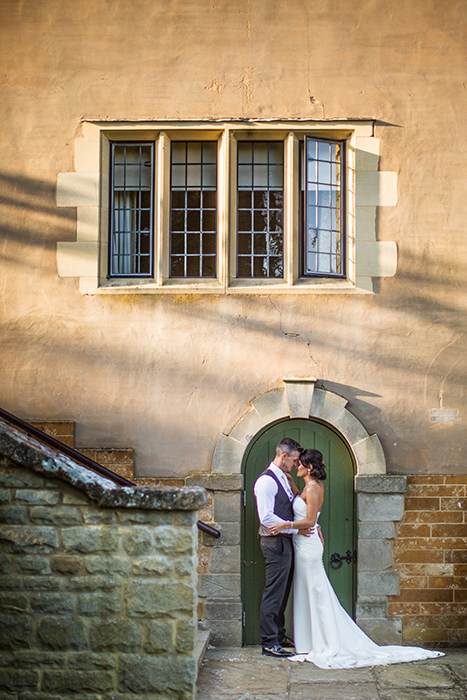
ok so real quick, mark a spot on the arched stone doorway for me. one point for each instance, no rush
(380, 503)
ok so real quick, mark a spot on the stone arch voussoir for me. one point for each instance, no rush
(299, 398)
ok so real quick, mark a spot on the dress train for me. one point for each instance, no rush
(324, 633)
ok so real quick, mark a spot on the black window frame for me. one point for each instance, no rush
(112, 232)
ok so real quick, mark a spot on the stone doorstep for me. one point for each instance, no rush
(201, 646)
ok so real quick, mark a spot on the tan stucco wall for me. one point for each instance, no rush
(167, 374)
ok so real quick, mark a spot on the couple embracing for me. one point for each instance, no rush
(292, 545)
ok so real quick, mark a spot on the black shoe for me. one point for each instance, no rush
(277, 651)
(286, 642)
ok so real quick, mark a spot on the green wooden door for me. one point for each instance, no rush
(337, 518)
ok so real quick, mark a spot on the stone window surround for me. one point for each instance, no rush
(380, 503)
(87, 189)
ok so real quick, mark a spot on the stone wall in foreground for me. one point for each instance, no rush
(98, 584)
(430, 555)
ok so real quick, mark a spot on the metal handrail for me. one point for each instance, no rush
(87, 461)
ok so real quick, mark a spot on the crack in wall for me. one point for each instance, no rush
(290, 334)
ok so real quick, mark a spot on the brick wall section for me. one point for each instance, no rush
(97, 599)
(430, 554)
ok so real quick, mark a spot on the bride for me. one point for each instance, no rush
(324, 633)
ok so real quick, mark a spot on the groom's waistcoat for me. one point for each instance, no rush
(282, 505)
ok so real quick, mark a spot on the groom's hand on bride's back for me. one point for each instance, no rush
(309, 531)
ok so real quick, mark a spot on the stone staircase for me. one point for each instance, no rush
(120, 461)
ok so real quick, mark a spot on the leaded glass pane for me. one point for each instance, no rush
(132, 174)
(323, 232)
(193, 217)
(260, 183)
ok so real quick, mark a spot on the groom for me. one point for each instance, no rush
(274, 498)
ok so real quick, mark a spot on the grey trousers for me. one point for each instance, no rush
(278, 555)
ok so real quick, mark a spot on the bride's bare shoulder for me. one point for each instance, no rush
(313, 488)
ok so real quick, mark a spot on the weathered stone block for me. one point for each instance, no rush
(17, 478)
(25, 658)
(15, 631)
(25, 540)
(10, 583)
(186, 631)
(86, 659)
(371, 606)
(184, 566)
(381, 530)
(382, 630)
(61, 633)
(228, 455)
(219, 585)
(152, 598)
(58, 515)
(15, 680)
(13, 603)
(116, 635)
(5, 496)
(150, 566)
(13, 514)
(377, 507)
(216, 482)
(98, 517)
(101, 604)
(72, 681)
(52, 603)
(66, 565)
(89, 540)
(375, 555)
(32, 564)
(107, 565)
(93, 583)
(382, 583)
(165, 674)
(225, 560)
(227, 507)
(174, 540)
(41, 497)
(223, 610)
(160, 637)
(381, 483)
(76, 498)
(138, 541)
(5, 564)
(42, 583)
(230, 535)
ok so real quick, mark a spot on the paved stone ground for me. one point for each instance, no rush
(244, 674)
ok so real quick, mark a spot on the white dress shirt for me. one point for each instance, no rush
(265, 493)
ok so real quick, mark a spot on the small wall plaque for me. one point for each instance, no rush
(444, 415)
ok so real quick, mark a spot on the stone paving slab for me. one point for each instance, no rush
(423, 694)
(413, 675)
(244, 674)
(334, 691)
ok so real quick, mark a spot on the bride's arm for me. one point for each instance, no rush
(293, 485)
(311, 494)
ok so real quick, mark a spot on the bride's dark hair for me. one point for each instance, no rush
(313, 460)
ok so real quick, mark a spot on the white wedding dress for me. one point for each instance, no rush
(323, 632)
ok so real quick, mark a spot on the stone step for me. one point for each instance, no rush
(201, 646)
(62, 430)
(117, 459)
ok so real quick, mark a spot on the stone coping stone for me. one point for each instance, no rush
(29, 452)
(381, 483)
